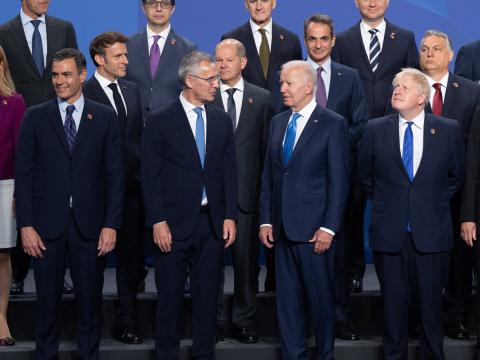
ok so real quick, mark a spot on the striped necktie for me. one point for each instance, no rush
(374, 51)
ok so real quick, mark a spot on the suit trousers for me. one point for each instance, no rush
(202, 253)
(20, 261)
(244, 253)
(405, 274)
(86, 270)
(305, 286)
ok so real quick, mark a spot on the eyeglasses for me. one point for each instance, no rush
(152, 4)
(211, 80)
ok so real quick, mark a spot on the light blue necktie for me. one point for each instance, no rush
(200, 140)
(407, 156)
(37, 47)
(289, 142)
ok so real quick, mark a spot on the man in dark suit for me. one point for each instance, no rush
(339, 88)
(456, 98)
(109, 54)
(268, 47)
(69, 194)
(189, 183)
(467, 63)
(154, 56)
(30, 40)
(303, 195)
(412, 165)
(377, 49)
(249, 108)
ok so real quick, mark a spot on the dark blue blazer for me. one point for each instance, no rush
(347, 98)
(425, 201)
(47, 174)
(399, 51)
(311, 191)
(284, 48)
(467, 63)
(172, 174)
(162, 89)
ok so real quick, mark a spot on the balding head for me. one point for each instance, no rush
(298, 82)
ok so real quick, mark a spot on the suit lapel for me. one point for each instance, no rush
(282, 128)
(392, 131)
(387, 48)
(428, 145)
(358, 43)
(246, 111)
(85, 125)
(142, 44)
(277, 42)
(57, 124)
(334, 89)
(451, 97)
(19, 38)
(167, 53)
(99, 93)
(307, 132)
(53, 44)
(217, 101)
(187, 134)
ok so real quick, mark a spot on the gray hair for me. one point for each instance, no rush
(306, 68)
(440, 34)
(238, 45)
(191, 63)
(423, 87)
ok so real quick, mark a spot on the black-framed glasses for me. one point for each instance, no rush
(152, 4)
(211, 80)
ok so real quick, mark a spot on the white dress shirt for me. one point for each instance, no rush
(443, 81)
(28, 29)
(237, 97)
(326, 73)
(366, 36)
(258, 37)
(417, 130)
(104, 82)
(161, 41)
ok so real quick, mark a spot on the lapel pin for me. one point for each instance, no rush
(4, 102)
(282, 37)
(392, 35)
(315, 120)
(433, 131)
(89, 116)
(455, 85)
(251, 100)
(339, 74)
(173, 41)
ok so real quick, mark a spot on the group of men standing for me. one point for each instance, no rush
(216, 169)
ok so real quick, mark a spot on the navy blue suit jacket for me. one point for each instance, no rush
(467, 63)
(284, 48)
(47, 174)
(161, 90)
(347, 98)
(425, 201)
(172, 174)
(311, 191)
(399, 51)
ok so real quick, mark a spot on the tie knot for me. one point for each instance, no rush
(231, 91)
(319, 70)
(35, 23)
(70, 109)
(198, 111)
(437, 86)
(112, 86)
(373, 32)
(262, 31)
(409, 124)
(156, 38)
(295, 117)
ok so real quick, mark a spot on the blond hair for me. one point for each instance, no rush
(7, 88)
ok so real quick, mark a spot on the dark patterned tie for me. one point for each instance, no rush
(231, 109)
(69, 127)
(374, 49)
(264, 52)
(437, 106)
(37, 47)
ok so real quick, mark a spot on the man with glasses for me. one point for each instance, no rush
(154, 56)
(189, 183)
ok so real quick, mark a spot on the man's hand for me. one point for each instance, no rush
(266, 236)
(468, 231)
(162, 236)
(106, 241)
(229, 232)
(322, 241)
(31, 242)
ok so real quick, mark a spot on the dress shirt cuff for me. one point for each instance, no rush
(328, 231)
(264, 225)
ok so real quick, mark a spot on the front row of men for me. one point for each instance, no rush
(412, 165)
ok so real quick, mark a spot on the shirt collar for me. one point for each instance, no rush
(188, 106)
(308, 109)
(163, 34)
(104, 82)
(327, 64)
(239, 86)
(382, 27)
(443, 81)
(255, 27)
(62, 104)
(26, 19)
(418, 120)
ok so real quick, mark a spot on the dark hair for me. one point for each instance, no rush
(172, 1)
(103, 41)
(318, 19)
(74, 54)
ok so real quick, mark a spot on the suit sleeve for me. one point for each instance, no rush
(468, 208)
(71, 37)
(412, 54)
(267, 118)
(265, 204)
(115, 175)
(464, 64)
(359, 111)
(364, 160)
(338, 173)
(229, 172)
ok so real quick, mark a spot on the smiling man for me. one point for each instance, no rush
(412, 165)
(69, 194)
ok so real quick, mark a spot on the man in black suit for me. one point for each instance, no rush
(109, 54)
(268, 46)
(378, 50)
(467, 63)
(154, 56)
(69, 195)
(456, 98)
(249, 108)
(339, 88)
(189, 183)
(30, 40)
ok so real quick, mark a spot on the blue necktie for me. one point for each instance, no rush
(407, 155)
(69, 127)
(37, 47)
(200, 140)
(289, 142)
